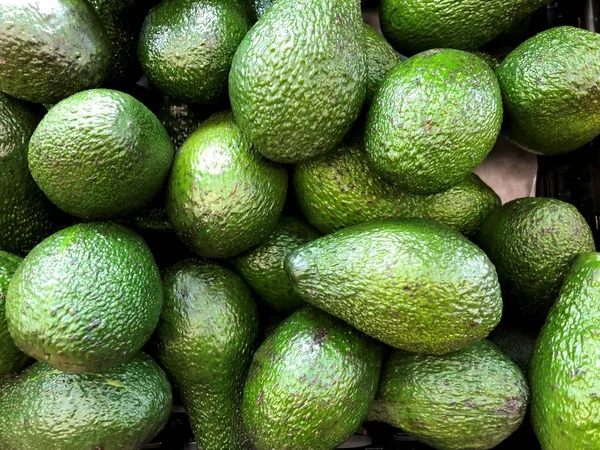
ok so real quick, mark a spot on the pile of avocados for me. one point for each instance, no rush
(268, 210)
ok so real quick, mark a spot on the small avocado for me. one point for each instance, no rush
(471, 399)
(86, 298)
(339, 190)
(205, 339)
(564, 367)
(100, 154)
(533, 242)
(413, 284)
(179, 119)
(223, 197)
(262, 267)
(434, 119)
(551, 90)
(11, 358)
(299, 78)
(186, 47)
(51, 49)
(413, 26)
(121, 409)
(311, 383)
(26, 215)
(381, 58)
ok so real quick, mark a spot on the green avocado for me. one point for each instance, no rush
(381, 58)
(471, 399)
(86, 298)
(179, 119)
(26, 215)
(434, 120)
(262, 267)
(11, 358)
(121, 409)
(413, 26)
(339, 189)
(551, 90)
(205, 339)
(100, 154)
(299, 78)
(515, 342)
(565, 376)
(186, 47)
(533, 242)
(51, 49)
(413, 284)
(223, 198)
(311, 383)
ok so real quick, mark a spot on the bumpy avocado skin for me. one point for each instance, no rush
(299, 78)
(381, 58)
(50, 49)
(205, 339)
(434, 120)
(223, 198)
(100, 154)
(11, 358)
(26, 215)
(340, 189)
(262, 267)
(533, 242)
(186, 47)
(86, 298)
(120, 409)
(311, 383)
(413, 284)
(413, 26)
(565, 378)
(551, 90)
(471, 399)
(179, 119)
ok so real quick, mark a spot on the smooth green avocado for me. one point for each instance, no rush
(471, 399)
(413, 284)
(51, 49)
(100, 154)
(86, 298)
(223, 197)
(121, 409)
(551, 90)
(381, 58)
(311, 383)
(533, 242)
(434, 119)
(204, 340)
(299, 78)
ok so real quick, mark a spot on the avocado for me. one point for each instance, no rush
(122, 27)
(299, 78)
(311, 383)
(471, 399)
(381, 58)
(121, 409)
(86, 298)
(186, 47)
(515, 342)
(491, 60)
(262, 267)
(564, 367)
(434, 119)
(204, 340)
(339, 189)
(26, 215)
(533, 242)
(261, 6)
(100, 154)
(551, 90)
(413, 26)
(223, 198)
(179, 119)
(11, 358)
(51, 49)
(413, 284)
